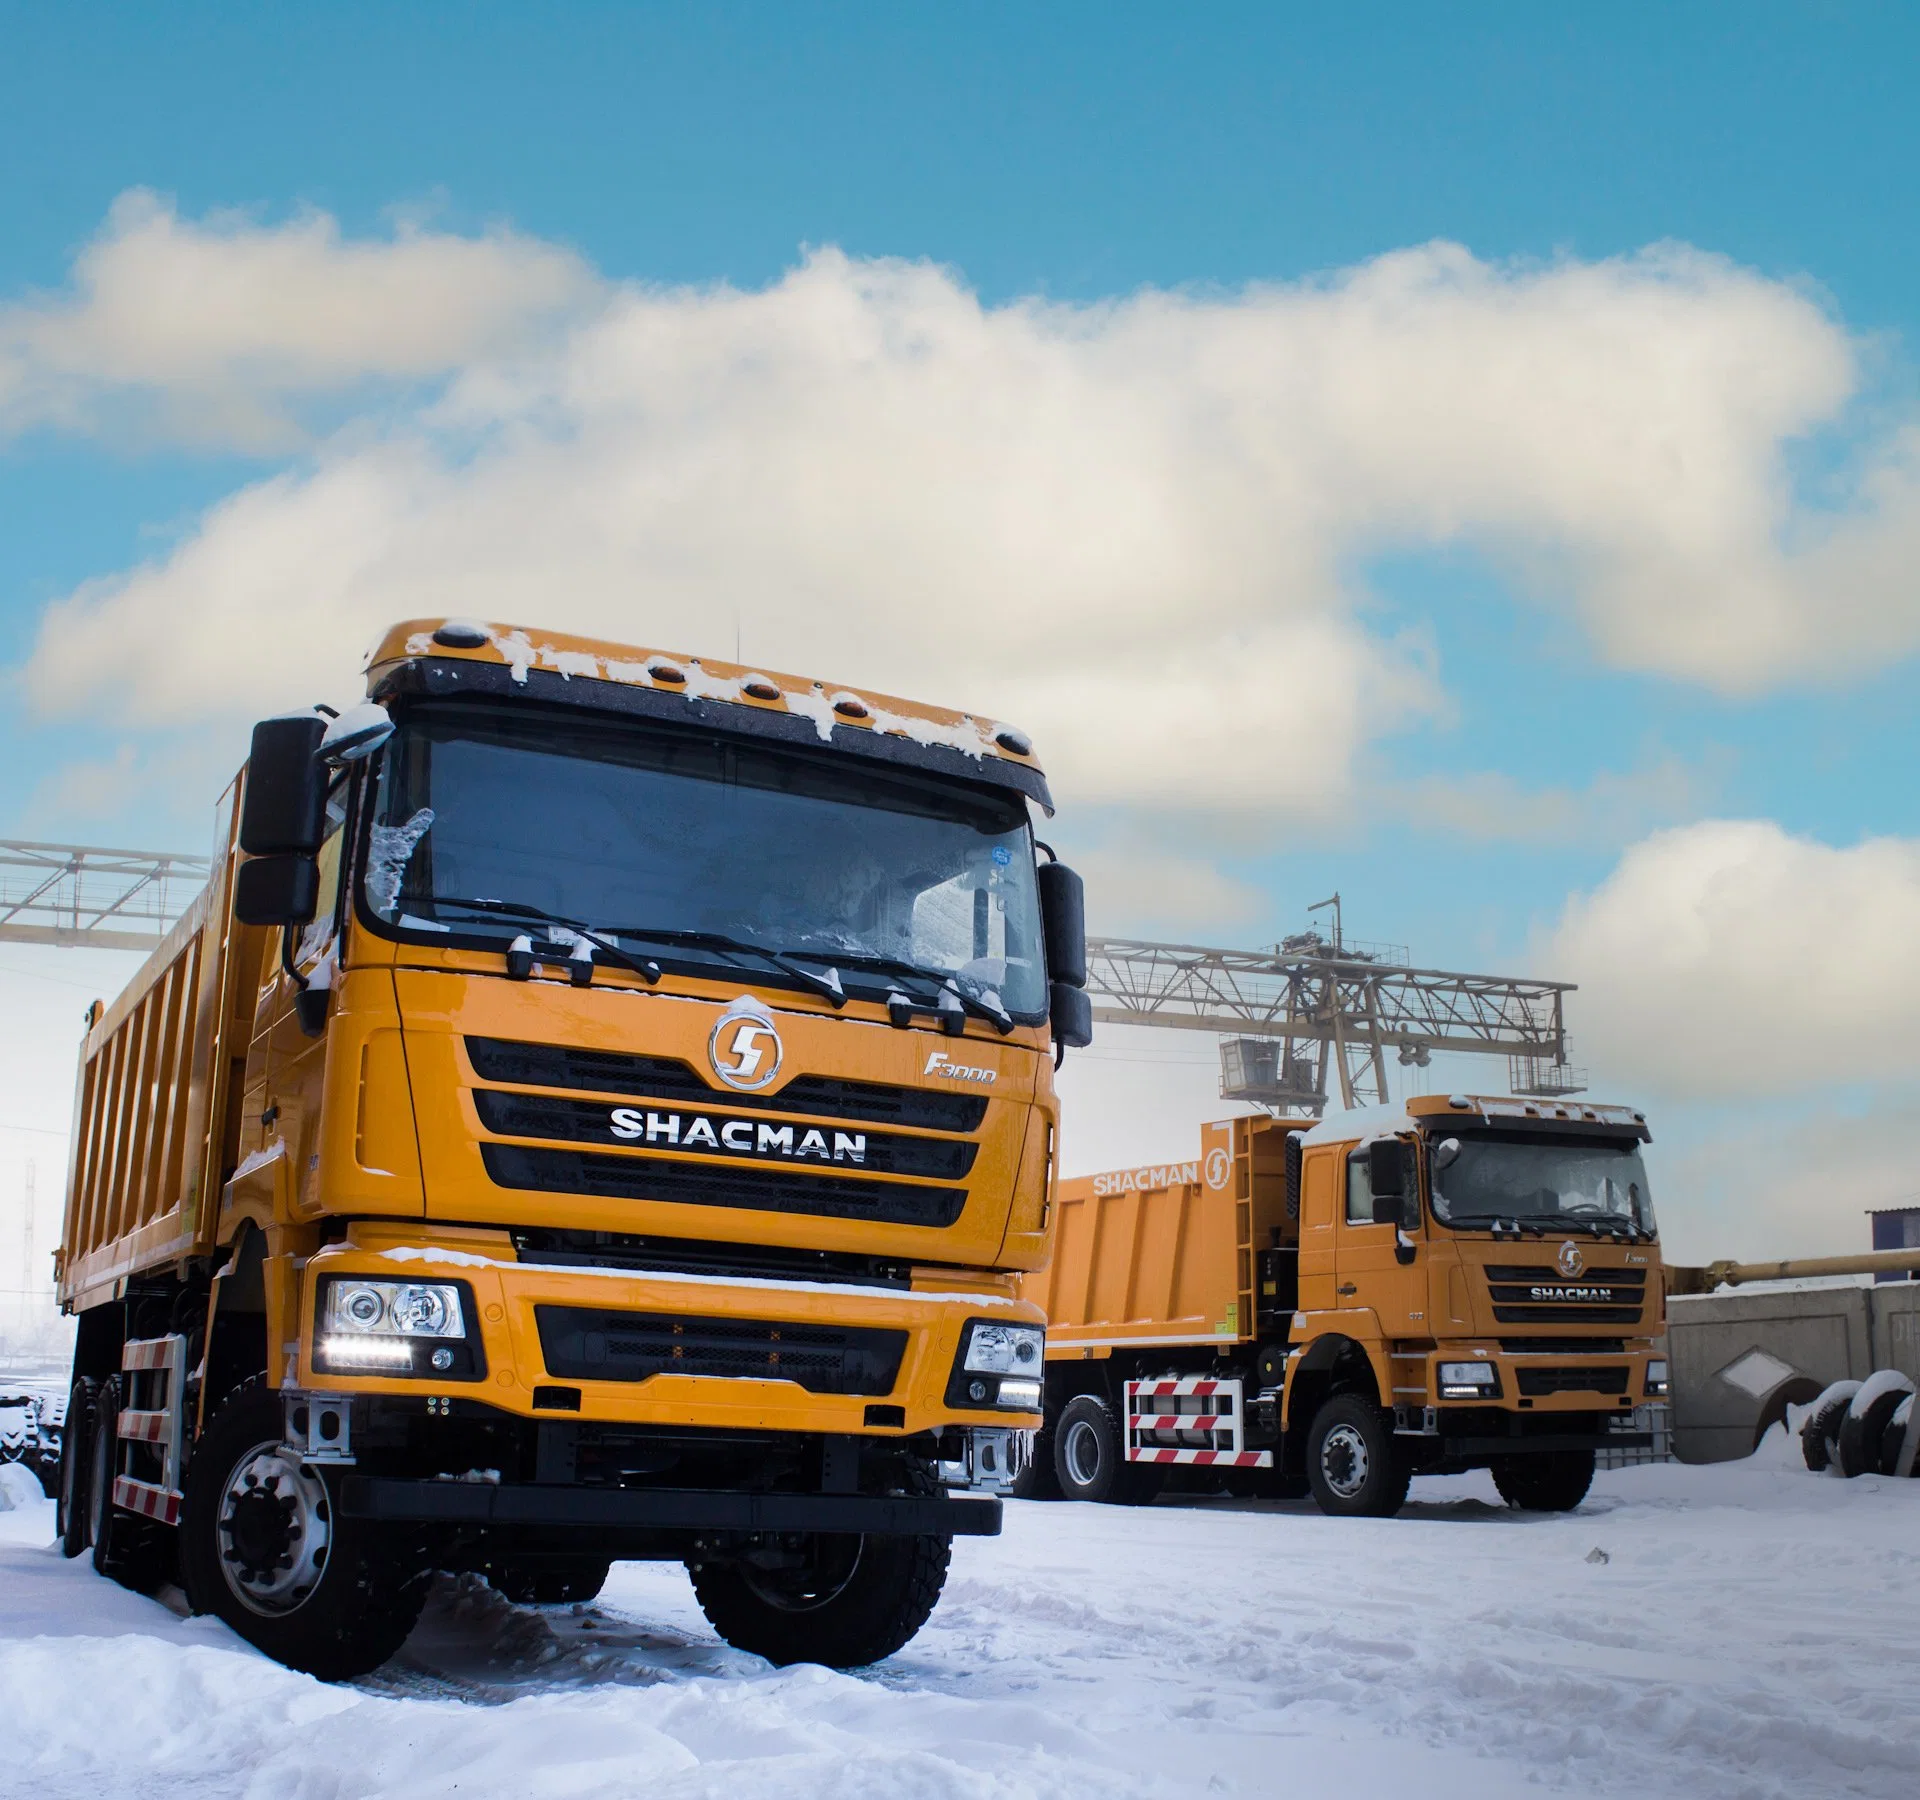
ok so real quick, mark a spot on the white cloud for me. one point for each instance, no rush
(1130, 526)
(1491, 806)
(209, 330)
(1730, 959)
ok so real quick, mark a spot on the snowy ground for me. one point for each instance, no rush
(1752, 1630)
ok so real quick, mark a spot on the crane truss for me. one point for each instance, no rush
(77, 895)
(1294, 1016)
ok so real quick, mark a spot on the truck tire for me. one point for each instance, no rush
(549, 1584)
(265, 1547)
(852, 1600)
(1555, 1482)
(1857, 1443)
(1822, 1425)
(1088, 1457)
(138, 1553)
(1354, 1467)
(70, 1506)
(1893, 1437)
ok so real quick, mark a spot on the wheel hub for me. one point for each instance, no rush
(810, 1569)
(275, 1528)
(1083, 1452)
(1344, 1461)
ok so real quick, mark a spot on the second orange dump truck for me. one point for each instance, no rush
(1454, 1284)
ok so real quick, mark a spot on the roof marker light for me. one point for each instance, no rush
(462, 634)
(666, 671)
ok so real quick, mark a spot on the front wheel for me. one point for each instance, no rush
(1556, 1482)
(838, 1598)
(265, 1548)
(1354, 1467)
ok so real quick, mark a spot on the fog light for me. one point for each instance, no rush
(1020, 1393)
(1657, 1376)
(367, 1352)
(976, 1390)
(442, 1358)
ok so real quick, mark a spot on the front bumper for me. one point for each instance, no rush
(477, 1503)
(511, 1372)
(1535, 1381)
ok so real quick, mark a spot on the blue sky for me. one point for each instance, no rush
(1080, 155)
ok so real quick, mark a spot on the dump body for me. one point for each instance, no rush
(1263, 1261)
(671, 1197)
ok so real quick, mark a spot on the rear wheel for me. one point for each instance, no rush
(265, 1547)
(1556, 1482)
(838, 1598)
(1089, 1457)
(1354, 1467)
(76, 1436)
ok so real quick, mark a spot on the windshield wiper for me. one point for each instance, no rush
(993, 1010)
(648, 971)
(827, 985)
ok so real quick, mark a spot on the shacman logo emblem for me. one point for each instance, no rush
(1570, 1260)
(745, 1049)
(1218, 1164)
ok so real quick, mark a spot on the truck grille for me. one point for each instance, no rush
(1535, 1382)
(1527, 1295)
(562, 1248)
(777, 1190)
(749, 1140)
(583, 1344)
(662, 1078)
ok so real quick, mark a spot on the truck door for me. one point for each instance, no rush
(1368, 1265)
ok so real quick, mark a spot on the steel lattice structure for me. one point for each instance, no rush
(75, 894)
(1308, 1009)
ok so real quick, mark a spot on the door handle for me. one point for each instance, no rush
(1346, 1288)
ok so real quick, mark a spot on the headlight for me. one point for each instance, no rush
(1000, 1367)
(1657, 1375)
(1468, 1380)
(408, 1309)
(366, 1326)
(1006, 1350)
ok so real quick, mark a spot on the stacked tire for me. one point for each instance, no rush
(1860, 1427)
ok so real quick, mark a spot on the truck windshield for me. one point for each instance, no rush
(1552, 1181)
(650, 837)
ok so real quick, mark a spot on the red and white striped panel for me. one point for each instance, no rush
(144, 1354)
(1180, 1421)
(144, 1498)
(1218, 1459)
(144, 1427)
(1199, 1386)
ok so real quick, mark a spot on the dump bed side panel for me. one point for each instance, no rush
(150, 1104)
(1142, 1255)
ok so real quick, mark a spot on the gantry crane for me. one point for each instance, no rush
(1313, 1007)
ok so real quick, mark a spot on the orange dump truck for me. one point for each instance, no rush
(1460, 1283)
(599, 1108)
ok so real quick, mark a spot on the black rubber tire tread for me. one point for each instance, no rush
(1892, 1440)
(891, 1594)
(1857, 1443)
(369, 1594)
(71, 1524)
(1389, 1472)
(1115, 1482)
(1820, 1428)
(551, 1584)
(1555, 1482)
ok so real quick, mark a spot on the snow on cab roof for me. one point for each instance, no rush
(1428, 1109)
(522, 650)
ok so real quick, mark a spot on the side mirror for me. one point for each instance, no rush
(277, 890)
(1063, 919)
(1070, 1013)
(285, 810)
(1445, 1152)
(1389, 1173)
(357, 733)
